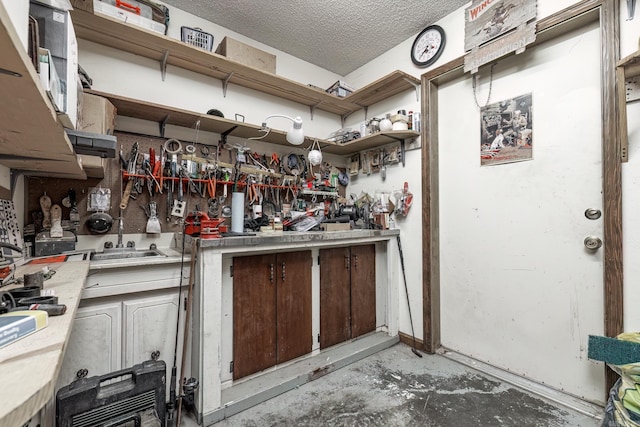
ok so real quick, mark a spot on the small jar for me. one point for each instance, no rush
(385, 124)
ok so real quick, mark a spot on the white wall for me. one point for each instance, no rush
(18, 11)
(411, 227)
(629, 43)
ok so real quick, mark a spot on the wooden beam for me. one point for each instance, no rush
(612, 177)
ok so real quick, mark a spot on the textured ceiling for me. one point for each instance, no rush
(337, 35)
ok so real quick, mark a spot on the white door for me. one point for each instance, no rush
(150, 327)
(519, 290)
(94, 344)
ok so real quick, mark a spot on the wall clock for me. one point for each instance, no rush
(428, 46)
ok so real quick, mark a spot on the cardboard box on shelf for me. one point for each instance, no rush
(98, 115)
(247, 55)
(94, 166)
(335, 226)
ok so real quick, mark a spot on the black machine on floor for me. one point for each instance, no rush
(119, 398)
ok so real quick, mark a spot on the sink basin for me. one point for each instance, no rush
(125, 253)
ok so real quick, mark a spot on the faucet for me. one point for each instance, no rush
(120, 231)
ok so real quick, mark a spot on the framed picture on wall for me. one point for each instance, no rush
(506, 131)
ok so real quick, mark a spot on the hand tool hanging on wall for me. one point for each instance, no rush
(153, 225)
(131, 170)
(406, 290)
(179, 205)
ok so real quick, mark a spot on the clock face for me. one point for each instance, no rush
(428, 46)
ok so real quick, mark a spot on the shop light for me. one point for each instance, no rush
(295, 134)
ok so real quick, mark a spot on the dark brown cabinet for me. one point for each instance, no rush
(271, 310)
(347, 293)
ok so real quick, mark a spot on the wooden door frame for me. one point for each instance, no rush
(606, 12)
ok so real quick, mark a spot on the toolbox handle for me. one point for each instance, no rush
(108, 388)
(124, 5)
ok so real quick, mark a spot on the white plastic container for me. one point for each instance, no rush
(237, 212)
(100, 7)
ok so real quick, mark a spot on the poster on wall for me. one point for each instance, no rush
(495, 28)
(506, 131)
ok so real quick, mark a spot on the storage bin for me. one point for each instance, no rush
(340, 89)
(196, 37)
(100, 7)
(132, 6)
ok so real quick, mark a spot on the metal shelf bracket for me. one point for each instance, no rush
(312, 109)
(163, 125)
(225, 83)
(163, 64)
(416, 87)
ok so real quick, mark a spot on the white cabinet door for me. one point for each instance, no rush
(150, 325)
(94, 343)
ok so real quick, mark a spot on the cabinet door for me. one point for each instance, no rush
(254, 314)
(94, 343)
(335, 296)
(294, 305)
(150, 326)
(363, 289)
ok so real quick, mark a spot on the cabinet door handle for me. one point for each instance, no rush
(283, 275)
(355, 262)
(347, 262)
(271, 272)
(155, 355)
(82, 373)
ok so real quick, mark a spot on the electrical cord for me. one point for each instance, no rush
(172, 141)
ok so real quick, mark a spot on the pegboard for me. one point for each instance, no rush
(134, 216)
(9, 230)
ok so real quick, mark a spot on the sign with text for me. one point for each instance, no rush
(495, 28)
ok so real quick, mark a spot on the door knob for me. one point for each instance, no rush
(592, 243)
(593, 213)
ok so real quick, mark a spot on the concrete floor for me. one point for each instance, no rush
(396, 388)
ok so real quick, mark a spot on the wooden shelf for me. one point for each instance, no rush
(370, 142)
(164, 115)
(627, 72)
(631, 64)
(31, 138)
(129, 38)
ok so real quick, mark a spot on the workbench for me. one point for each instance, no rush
(221, 392)
(29, 367)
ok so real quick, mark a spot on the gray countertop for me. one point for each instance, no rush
(29, 367)
(294, 237)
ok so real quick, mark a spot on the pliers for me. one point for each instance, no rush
(275, 162)
(211, 185)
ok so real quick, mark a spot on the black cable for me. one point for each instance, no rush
(406, 290)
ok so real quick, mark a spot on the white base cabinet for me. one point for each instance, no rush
(151, 329)
(95, 343)
(123, 321)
